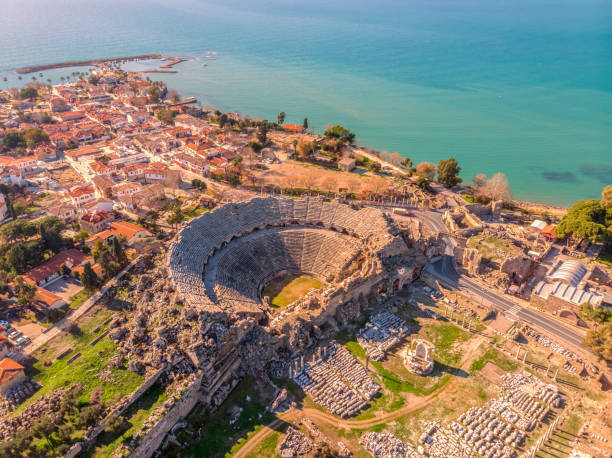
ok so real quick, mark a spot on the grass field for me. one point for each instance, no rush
(85, 369)
(286, 290)
(489, 246)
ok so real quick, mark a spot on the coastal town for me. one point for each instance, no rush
(179, 281)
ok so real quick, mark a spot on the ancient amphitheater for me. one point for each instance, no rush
(222, 261)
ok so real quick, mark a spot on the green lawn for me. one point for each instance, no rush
(79, 298)
(287, 290)
(267, 447)
(496, 357)
(85, 369)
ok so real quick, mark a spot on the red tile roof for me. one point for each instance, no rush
(9, 369)
(46, 269)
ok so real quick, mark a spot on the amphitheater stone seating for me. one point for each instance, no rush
(221, 259)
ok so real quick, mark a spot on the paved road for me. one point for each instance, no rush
(444, 270)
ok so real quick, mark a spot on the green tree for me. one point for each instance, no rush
(255, 146)
(118, 252)
(448, 172)
(599, 341)
(89, 279)
(166, 116)
(33, 137)
(262, 134)
(81, 236)
(281, 117)
(305, 123)
(176, 217)
(154, 94)
(24, 291)
(586, 219)
(28, 93)
(340, 133)
(406, 163)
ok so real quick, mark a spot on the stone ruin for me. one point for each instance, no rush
(335, 380)
(295, 444)
(387, 445)
(383, 332)
(418, 358)
(500, 427)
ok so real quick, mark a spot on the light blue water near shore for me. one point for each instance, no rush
(523, 87)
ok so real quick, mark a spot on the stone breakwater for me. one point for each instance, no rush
(82, 63)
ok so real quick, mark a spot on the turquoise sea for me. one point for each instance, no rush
(518, 86)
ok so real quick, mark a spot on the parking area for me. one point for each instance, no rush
(65, 287)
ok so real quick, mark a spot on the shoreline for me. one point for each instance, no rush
(97, 62)
(167, 68)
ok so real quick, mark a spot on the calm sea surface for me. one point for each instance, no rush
(522, 87)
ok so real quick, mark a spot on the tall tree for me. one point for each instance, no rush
(305, 123)
(281, 117)
(448, 172)
(89, 279)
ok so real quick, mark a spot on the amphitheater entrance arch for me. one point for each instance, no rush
(396, 285)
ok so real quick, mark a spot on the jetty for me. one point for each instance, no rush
(99, 62)
(181, 102)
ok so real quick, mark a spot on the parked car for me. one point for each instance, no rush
(24, 340)
(15, 335)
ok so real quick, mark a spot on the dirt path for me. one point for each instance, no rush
(292, 414)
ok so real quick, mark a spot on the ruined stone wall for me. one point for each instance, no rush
(154, 437)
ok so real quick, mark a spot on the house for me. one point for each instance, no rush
(139, 116)
(11, 374)
(59, 105)
(104, 184)
(293, 128)
(195, 164)
(130, 231)
(66, 212)
(49, 270)
(82, 194)
(96, 220)
(98, 204)
(23, 164)
(133, 171)
(150, 197)
(99, 168)
(68, 116)
(88, 151)
(47, 300)
(347, 164)
(126, 189)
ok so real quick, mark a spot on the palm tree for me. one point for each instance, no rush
(19, 77)
(49, 80)
(62, 79)
(40, 74)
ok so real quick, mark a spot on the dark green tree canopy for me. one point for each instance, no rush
(448, 172)
(586, 219)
